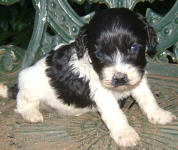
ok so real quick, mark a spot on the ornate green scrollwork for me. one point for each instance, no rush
(109, 3)
(64, 24)
(167, 31)
(8, 2)
(128, 3)
(62, 19)
(114, 3)
(37, 35)
(59, 17)
(10, 63)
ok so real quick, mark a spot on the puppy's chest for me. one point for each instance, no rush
(121, 95)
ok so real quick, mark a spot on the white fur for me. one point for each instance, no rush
(3, 91)
(114, 118)
(58, 46)
(107, 105)
(148, 104)
(119, 66)
(128, 69)
(34, 89)
(42, 92)
(61, 44)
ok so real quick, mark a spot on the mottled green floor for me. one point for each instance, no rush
(88, 132)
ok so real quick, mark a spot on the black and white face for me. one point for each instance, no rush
(116, 41)
(121, 70)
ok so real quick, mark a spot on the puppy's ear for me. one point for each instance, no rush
(151, 34)
(81, 40)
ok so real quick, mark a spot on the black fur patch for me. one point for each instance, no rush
(69, 87)
(117, 29)
(109, 32)
(13, 91)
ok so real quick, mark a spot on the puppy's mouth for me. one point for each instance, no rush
(119, 85)
(120, 80)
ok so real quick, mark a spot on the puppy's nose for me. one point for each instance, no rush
(119, 79)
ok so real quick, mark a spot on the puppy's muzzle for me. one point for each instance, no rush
(119, 79)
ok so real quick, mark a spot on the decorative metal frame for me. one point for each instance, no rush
(88, 131)
(65, 22)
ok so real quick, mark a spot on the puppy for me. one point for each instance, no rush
(104, 64)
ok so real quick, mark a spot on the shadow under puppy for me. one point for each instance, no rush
(104, 64)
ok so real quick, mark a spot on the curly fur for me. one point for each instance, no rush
(103, 65)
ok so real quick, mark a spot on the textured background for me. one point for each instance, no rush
(87, 132)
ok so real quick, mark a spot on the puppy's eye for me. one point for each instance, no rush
(134, 48)
(98, 54)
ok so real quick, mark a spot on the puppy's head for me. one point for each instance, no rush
(116, 40)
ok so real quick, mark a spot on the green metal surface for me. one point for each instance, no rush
(10, 63)
(88, 132)
(167, 31)
(56, 22)
(114, 3)
(59, 17)
(8, 2)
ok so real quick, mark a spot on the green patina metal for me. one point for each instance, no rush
(8, 2)
(65, 22)
(10, 63)
(59, 16)
(88, 132)
(167, 31)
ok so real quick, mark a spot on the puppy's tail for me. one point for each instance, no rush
(6, 92)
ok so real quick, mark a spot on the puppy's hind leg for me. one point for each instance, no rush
(28, 107)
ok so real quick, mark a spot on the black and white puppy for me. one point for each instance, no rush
(104, 64)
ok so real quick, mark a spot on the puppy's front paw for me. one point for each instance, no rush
(125, 136)
(33, 116)
(161, 116)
